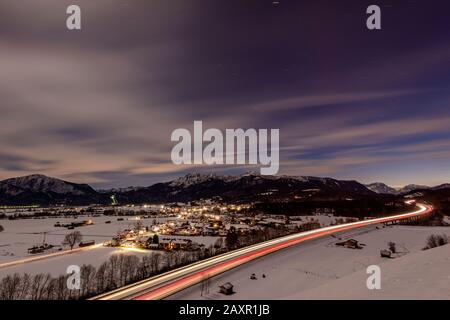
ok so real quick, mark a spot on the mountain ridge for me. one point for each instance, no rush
(40, 189)
(382, 188)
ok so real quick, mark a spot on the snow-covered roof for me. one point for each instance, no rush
(227, 285)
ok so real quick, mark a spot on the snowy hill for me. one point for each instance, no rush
(40, 189)
(441, 186)
(383, 188)
(422, 275)
(380, 187)
(412, 187)
(319, 269)
(197, 178)
(41, 183)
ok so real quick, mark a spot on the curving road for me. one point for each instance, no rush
(166, 284)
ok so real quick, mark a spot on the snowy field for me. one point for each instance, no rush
(57, 266)
(320, 270)
(324, 220)
(423, 275)
(21, 234)
(316, 269)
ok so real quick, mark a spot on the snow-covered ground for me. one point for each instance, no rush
(319, 269)
(57, 266)
(423, 275)
(316, 269)
(21, 234)
(323, 219)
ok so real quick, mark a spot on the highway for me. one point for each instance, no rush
(166, 284)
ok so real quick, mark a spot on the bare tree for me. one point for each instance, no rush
(112, 271)
(61, 290)
(204, 285)
(24, 288)
(1, 228)
(122, 270)
(130, 268)
(178, 258)
(101, 277)
(171, 259)
(392, 246)
(38, 286)
(87, 277)
(155, 262)
(138, 226)
(72, 239)
(48, 292)
(145, 267)
(220, 243)
(231, 239)
(436, 240)
(9, 286)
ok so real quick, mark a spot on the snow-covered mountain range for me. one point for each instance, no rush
(40, 189)
(383, 188)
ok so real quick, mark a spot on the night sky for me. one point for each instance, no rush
(98, 105)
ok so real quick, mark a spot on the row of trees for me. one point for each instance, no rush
(119, 270)
(235, 240)
(436, 240)
(357, 208)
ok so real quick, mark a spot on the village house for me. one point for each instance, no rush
(177, 244)
(226, 288)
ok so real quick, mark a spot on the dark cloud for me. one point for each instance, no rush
(11, 162)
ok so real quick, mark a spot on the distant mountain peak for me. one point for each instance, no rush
(190, 179)
(381, 188)
(442, 186)
(196, 178)
(416, 186)
(412, 187)
(39, 183)
(251, 187)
